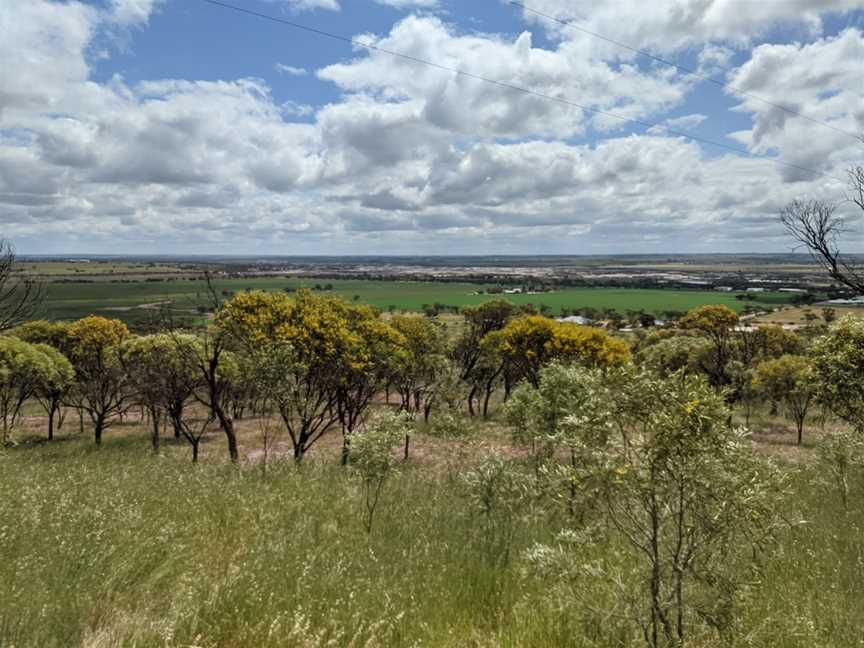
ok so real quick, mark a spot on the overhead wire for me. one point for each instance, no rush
(516, 88)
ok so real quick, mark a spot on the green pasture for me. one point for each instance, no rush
(132, 301)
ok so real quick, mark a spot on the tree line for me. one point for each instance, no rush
(318, 363)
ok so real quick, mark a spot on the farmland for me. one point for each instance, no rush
(133, 300)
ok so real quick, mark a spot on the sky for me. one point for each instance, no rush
(183, 127)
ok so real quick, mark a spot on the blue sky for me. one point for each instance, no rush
(196, 41)
(176, 126)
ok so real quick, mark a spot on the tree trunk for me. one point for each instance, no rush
(489, 389)
(154, 415)
(176, 415)
(345, 448)
(195, 451)
(227, 426)
(51, 412)
(471, 401)
(407, 446)
(655, 577)
(98, 427)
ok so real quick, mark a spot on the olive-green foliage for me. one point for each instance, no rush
(841, 455)
(766, 343)
(26, 370)
(421, 361)
(55, 334)
(373, 459)
(163, 371)
(101, 380)
(716, 324)
(671, 354)
(161, 367)
(56, 384)
(59, 376)
(500, 493)
(838, 358)
(568, 403)
(677, 488)
(789, 380)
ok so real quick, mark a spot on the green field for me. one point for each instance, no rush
(133, 301)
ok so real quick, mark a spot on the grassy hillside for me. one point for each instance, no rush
(113, 547)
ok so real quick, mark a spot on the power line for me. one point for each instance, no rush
(515, 88)
(682, 68)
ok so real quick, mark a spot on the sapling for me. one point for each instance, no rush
(373, 461)
(679, 493)
(498, 491)
(840, 454)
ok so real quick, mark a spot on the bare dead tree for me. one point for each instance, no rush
(816, 225)
(856, 185)
(20, 295)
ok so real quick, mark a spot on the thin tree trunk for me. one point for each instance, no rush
(655, 578)
(679, 568)
(471, 401)
(51, 413)
(345, 447)
(154, 415)
(227, 426)
(176, 416)
(490, 388)
(98, 426)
